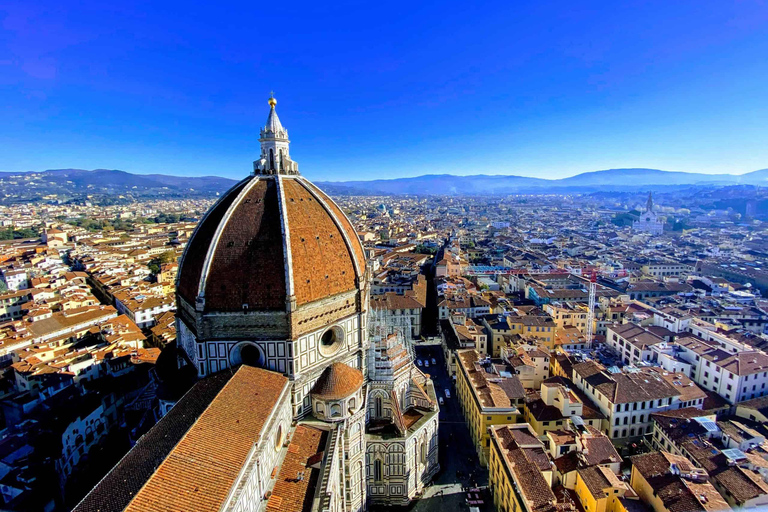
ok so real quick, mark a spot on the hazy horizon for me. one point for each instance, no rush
(373, 178)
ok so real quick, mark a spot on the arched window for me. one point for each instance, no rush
(377, 470)
(351, 404)
(271, 159)
(320, 409)
(377, 407)
(360, 472)
(281, 159)
(279, 437)
(423, 452)
(335, 410)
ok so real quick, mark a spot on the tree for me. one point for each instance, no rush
(167, 257)
(161, 259)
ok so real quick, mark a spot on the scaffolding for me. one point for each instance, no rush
(382, 323)
(591, 306)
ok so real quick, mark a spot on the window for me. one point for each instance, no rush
(279, 437)
(331, 341)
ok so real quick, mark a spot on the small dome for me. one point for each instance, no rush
(338, 381)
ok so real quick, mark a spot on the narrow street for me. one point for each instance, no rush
(458, 459)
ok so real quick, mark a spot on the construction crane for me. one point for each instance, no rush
(591, 312)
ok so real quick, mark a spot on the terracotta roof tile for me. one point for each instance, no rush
(194, 256)
(295, 486)
(322, 264)
(199, 472)
(120, 485)
(337, 381)
(345, 224)
(248, 265)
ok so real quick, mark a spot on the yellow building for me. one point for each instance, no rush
(558, 401)
(665, 489)
(570, 338)
(487, 397)
(755, 409)
(600, 490)
(540, 327)
(518, 482)
(566, 315)
(560, 364)
(500, 334)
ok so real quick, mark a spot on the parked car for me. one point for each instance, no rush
(418, 362)
(433, 361)
(440, 399)
(447, 393)
(426, 363)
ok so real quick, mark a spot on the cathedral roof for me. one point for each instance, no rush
(337, 381)
(181, 463)
(271, 240)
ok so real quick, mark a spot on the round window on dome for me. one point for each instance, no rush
(250, 355)
(331, 341)
(247, 353)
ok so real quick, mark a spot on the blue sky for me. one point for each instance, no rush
(381, 89)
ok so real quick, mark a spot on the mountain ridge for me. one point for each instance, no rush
(76, 183)
(602, 180)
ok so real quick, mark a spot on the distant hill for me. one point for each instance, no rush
(112, 185)
(67, 184)
(610, 179)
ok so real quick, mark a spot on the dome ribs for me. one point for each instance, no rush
(345, 224)
(322, 264)
(246, 270)
(192, 263)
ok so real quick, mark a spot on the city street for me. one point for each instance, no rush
(458, 459)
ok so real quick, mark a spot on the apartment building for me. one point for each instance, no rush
(627, 399)
(489, 394)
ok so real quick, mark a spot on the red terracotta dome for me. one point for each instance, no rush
(271, 239)
(338, 381)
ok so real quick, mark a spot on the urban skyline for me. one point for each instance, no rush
(445, 290)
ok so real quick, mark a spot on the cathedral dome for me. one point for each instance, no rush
(337, 382)
(273, 242)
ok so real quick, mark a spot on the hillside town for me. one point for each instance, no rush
(584, 358)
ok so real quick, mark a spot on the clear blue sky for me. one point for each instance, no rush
(378, 89)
